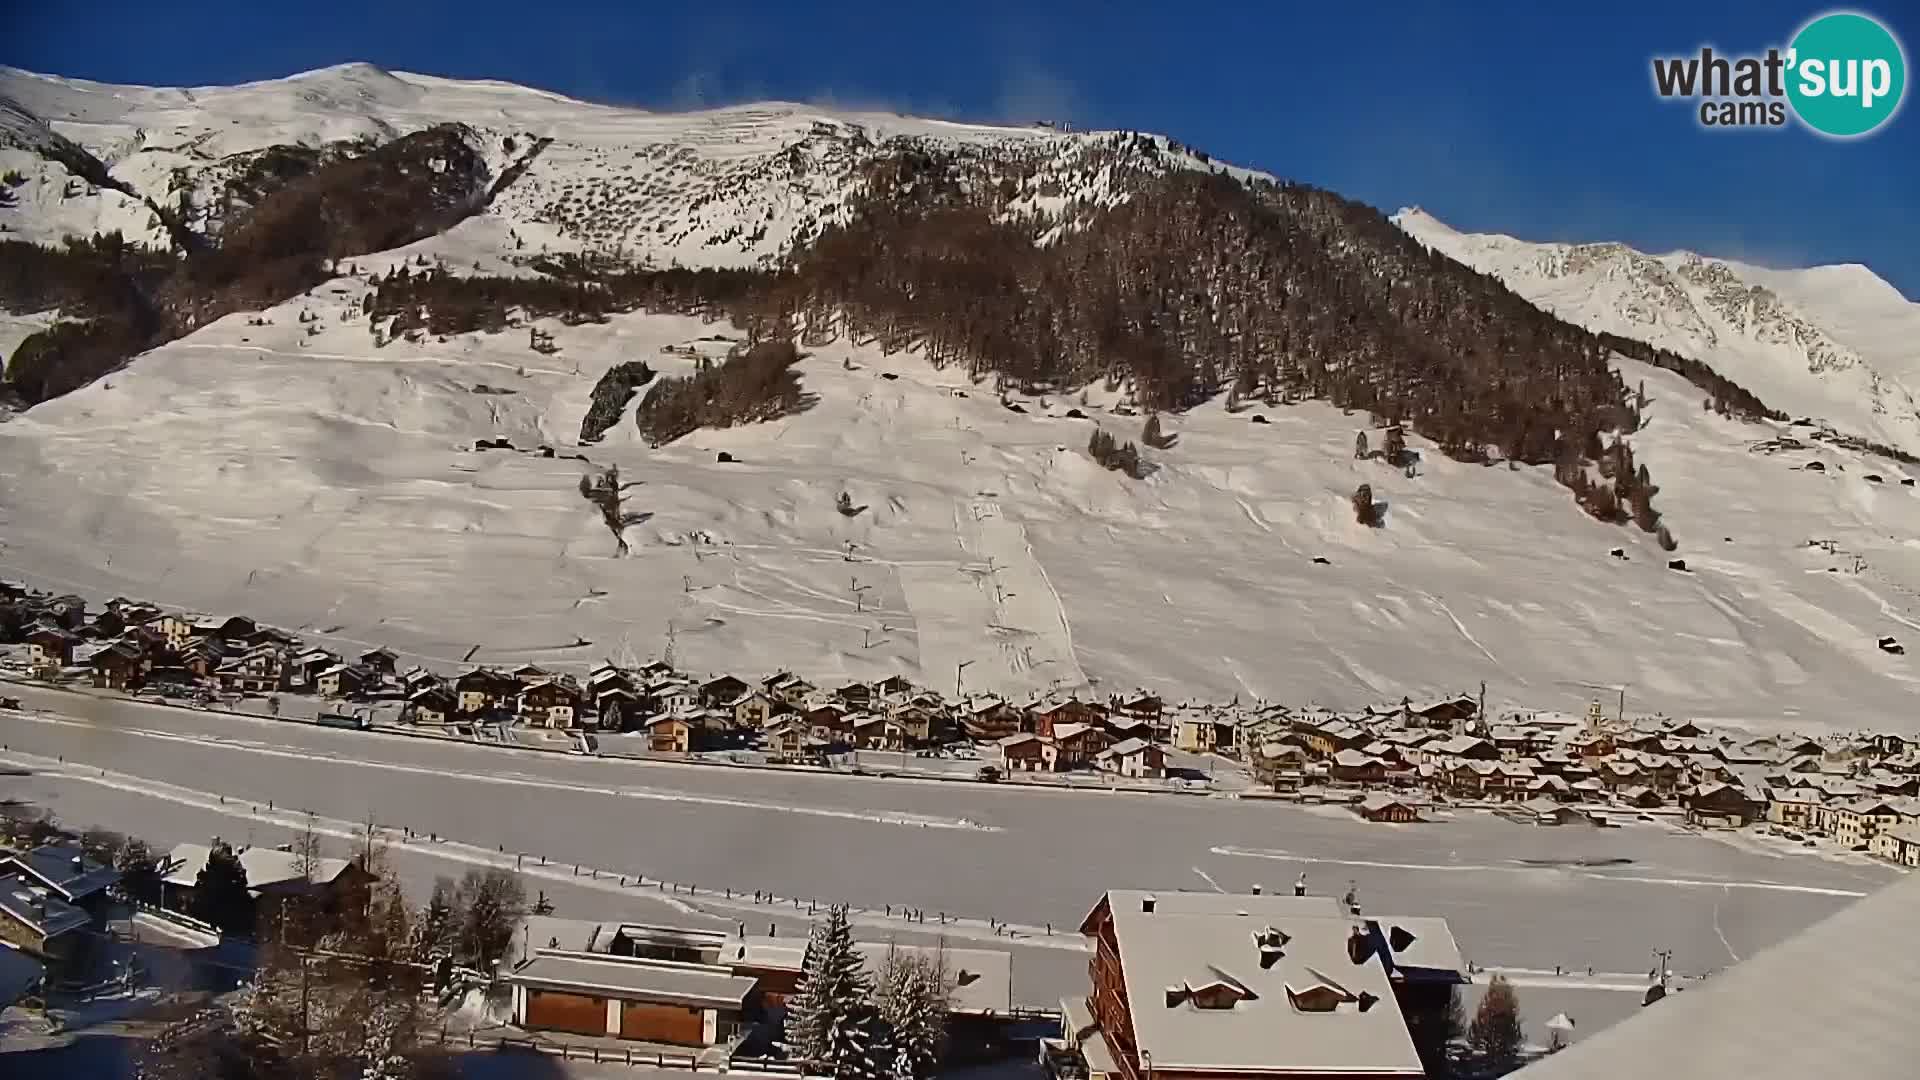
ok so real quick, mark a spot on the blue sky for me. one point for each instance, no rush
(1499, 116)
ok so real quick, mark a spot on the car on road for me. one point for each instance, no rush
(988, 774)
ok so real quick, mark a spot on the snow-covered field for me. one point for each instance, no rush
(1029, 857)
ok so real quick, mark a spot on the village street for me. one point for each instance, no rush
(1513, 894)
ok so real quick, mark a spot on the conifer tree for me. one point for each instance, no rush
(912, 999)
(830, 1020)
(220, 891)
(1496, 1035)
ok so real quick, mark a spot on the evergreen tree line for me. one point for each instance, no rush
(1116, 455)
(610, 397)
(752, 384)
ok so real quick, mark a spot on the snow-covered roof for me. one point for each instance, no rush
(34, 905)
(1166, 953)
(63, 868)
(1827, 1002)
(265, 867)
(634, 977)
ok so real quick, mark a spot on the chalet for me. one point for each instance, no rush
(788, 738)
(66, 612)
(991, 720)
(871, 731)
(893, 688)
(303, 668)
(753, 709)
(916, 724)
(1721, 806)
(1120, 727)
(1445, 713)
(1681, 729)
(1134, 758)
(828, 721)
(67, 873)
(1893, 784)
(200, 657)
(343, 681)
(1382, 807)
(119, 666)
(41, 925)
(669, 734)
(1898, 844)
(1046, 718)
(1466, 747)
(855, 695)
(1074, 745)
(662, 1002)
(670, 693)
(1138, 706)
(482, 689)
(105, 626)
(789, 688)
(433, 705)
(1514, 742)
(550, 703)
(233, 630)
(1855, 823)
(1640, 797)
(1550, 786)
(1621, 774)
(1280, 764)
(1225, 987)
(1591, 745)
(617, 706)
(50, 647)
(1793, 807)
(1356, 767)
(255, 671)
(274, 875)
(381, 661)
(1024, 752)
(722, 690)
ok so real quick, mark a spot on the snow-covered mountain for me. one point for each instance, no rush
(1832, 342)
(735, 186)
(292, 464)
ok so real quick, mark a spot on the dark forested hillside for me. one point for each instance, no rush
(272, 249)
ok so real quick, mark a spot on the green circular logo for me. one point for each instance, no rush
(1847, 74)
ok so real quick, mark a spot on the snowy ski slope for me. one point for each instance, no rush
(319, 482)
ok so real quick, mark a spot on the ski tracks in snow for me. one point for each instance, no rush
(1460, 626)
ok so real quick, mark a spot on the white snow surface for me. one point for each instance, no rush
(321, 483)
(298, 473)
(1833, 342)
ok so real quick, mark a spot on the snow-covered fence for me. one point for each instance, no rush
(606, 1055)
(173, 916)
